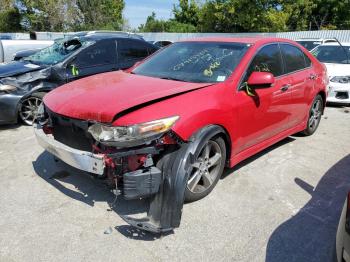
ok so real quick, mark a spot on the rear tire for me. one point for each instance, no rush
(29, 107)
(315, 114)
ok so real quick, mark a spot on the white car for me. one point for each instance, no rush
(337, 60)
(311, 43)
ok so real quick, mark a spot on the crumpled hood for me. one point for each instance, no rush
(101, 97)
(337, 69)
(17, 68)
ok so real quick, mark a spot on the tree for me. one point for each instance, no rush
(186, 12)
(10, 20)
(155, 25)
(101, 14)
(72, 15)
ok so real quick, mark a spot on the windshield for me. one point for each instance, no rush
(200, 62)
(332, 54)
(309, 45)
(57, 52)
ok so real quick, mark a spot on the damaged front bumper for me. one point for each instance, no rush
(162, 185)
(85, 161)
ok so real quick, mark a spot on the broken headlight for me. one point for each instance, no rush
(7, 88)
(341, 79)
(133, 135)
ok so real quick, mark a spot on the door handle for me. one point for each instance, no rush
(285, 87)
(313, 76)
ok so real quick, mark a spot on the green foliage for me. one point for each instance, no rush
(189, 15)
(155, 25)
(10, 20)
(64, 15)
(186, 12)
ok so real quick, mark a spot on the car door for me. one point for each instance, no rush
(267, 113)
(98, 58)
(131, 51)
(301, 80)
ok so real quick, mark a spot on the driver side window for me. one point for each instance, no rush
(268, 59)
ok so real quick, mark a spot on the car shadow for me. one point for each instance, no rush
(83, 187)
(310, 234)
(251, 159)
(8, 127)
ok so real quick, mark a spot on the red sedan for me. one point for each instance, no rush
(165, 129)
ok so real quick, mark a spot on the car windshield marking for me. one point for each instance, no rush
(197, 62)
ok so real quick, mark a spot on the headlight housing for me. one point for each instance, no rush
(341, 79)
(7, 88)
(133, 135)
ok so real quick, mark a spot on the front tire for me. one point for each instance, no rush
(315, 114)
(206, 168)
(29, 107)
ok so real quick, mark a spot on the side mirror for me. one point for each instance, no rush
(261, 80)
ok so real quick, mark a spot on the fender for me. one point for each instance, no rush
(165, 208)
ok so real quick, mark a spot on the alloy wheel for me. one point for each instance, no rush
(315, 114)
(29, 109)
(206, 168)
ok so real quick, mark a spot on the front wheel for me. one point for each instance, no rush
(314, 116)
(206, 168)
(29, 107)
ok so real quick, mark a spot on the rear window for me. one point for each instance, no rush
(294, 58)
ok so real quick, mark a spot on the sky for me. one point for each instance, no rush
(136, 11)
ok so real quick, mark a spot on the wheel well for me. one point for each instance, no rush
(225, 136)
(323, 94)
(228, 147)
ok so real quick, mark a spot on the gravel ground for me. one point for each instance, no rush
(281, 205)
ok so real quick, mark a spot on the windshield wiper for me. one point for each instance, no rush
(173, 78)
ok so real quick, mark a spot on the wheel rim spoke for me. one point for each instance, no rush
(207, 179)
(193, 181)
(214, 160)
(206, 151)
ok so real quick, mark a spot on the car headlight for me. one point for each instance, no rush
(7, 88)
(341, 79)
(133, 135)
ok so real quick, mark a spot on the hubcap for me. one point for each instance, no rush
(206, 168)
(29, 109)
(315, 115)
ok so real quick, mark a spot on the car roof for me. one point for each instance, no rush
(336, 44)
(314, 39)
(244, 40)
(100, 35)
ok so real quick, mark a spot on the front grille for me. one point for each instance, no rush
(71, 132)
(342, 95)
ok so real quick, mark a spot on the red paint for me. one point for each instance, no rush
(261, 78)
(253, 123)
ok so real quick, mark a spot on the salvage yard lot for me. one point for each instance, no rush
(281, 205)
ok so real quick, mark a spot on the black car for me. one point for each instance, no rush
(24, 83)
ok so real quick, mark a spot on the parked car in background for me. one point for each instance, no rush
(342, 247)
(25, 53)
(24, 83)
(336, 57)
(311, 43)
(165, 129)
(8, 48)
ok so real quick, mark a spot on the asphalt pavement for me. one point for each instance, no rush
(280, 205)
